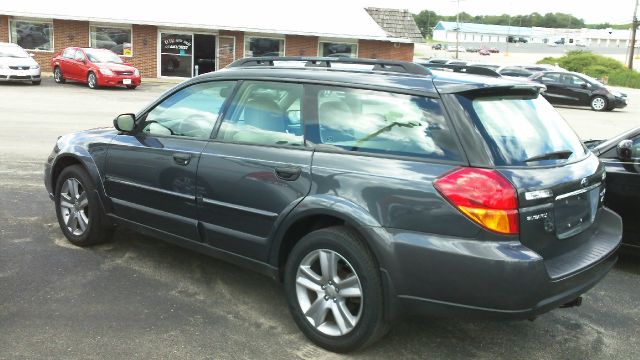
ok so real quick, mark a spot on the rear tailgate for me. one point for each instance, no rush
(560, 210)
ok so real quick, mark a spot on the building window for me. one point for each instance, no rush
(32, 35)
(116, 39)
(259, 46)
(338, 49)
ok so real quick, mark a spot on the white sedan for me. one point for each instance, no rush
(17, 65)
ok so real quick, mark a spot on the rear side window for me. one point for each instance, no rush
(68, 53)
(518, 129)
(383, 123)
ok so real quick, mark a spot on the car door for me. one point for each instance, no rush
(66, 62)
(577, 90)
(256, 168)
(78, 66)
(151, 173)
(553, 93)
(623, 190)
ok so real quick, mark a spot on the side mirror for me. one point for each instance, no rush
(584, 85)
(624, 150)
(125, 122)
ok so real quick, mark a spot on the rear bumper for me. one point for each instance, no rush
(448, 276)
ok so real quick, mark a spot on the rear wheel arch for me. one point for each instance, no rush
(306, 224)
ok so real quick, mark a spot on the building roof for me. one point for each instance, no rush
(397, 23)
(349, 22)
(484, 29)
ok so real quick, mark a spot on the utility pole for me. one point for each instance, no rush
(457, 29)
(428, 23)
(506, 53)
(634, 28)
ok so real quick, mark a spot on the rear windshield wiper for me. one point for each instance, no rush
(562, 154)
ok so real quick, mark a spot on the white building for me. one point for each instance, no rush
(481, 33)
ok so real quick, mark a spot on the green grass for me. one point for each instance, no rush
(611, 71)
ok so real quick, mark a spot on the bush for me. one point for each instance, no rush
(596, 66)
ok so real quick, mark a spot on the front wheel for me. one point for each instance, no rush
(599, 103)
(334, 290)
(92, 81)
(78, 208)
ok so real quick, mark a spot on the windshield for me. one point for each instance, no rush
(13, 51)
(102, 56)
(518, 129)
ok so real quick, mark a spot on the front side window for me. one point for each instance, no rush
(338, 49)
(256, 46)
(265, 113)
(520, 129)
(116, 39)
(384, 123)
(191, 112)
(32, 35)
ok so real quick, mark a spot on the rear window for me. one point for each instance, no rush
(384, 123)
(518, 129)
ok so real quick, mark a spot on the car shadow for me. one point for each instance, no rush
(586, 108)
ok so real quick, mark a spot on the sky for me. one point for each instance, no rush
(592, 11)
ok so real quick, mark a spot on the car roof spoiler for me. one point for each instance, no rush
(465, 69)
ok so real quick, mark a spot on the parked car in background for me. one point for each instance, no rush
(452, 48)
(494, 50)
(17, 64)
(571, 88)
(621, 157)
(472, 49)
(484, 52)
(378, 209)
(436, 47)
(94, 67)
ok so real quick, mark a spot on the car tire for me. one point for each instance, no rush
(78, 208)
(36, 82)
(57, 75)
(132, 87)
(92, 80)
(599, 103)
(310, 291)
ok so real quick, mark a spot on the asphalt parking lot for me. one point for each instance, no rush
(137, 297)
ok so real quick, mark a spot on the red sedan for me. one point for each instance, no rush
(95, 67)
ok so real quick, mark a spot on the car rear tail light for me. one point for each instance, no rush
(484, 196)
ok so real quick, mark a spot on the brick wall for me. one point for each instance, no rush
(145, 50)
(65, 33)
(385, 50)
(301, 45)
(4, 28)
(239, 35)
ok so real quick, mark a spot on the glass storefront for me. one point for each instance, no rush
(32, 35)
(338, 49)
(176, 54)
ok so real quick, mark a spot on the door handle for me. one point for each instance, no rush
(288, 173)
(182, 158)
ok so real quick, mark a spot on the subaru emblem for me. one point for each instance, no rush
(584, 182)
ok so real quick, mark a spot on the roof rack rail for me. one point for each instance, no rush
(466, 69)
(326, 62)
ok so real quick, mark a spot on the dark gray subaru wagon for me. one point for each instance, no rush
(371, 189)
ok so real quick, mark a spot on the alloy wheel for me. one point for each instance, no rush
(329, 292)
(57, 75)
(598, 103)
(74, 207)
(92, 80)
